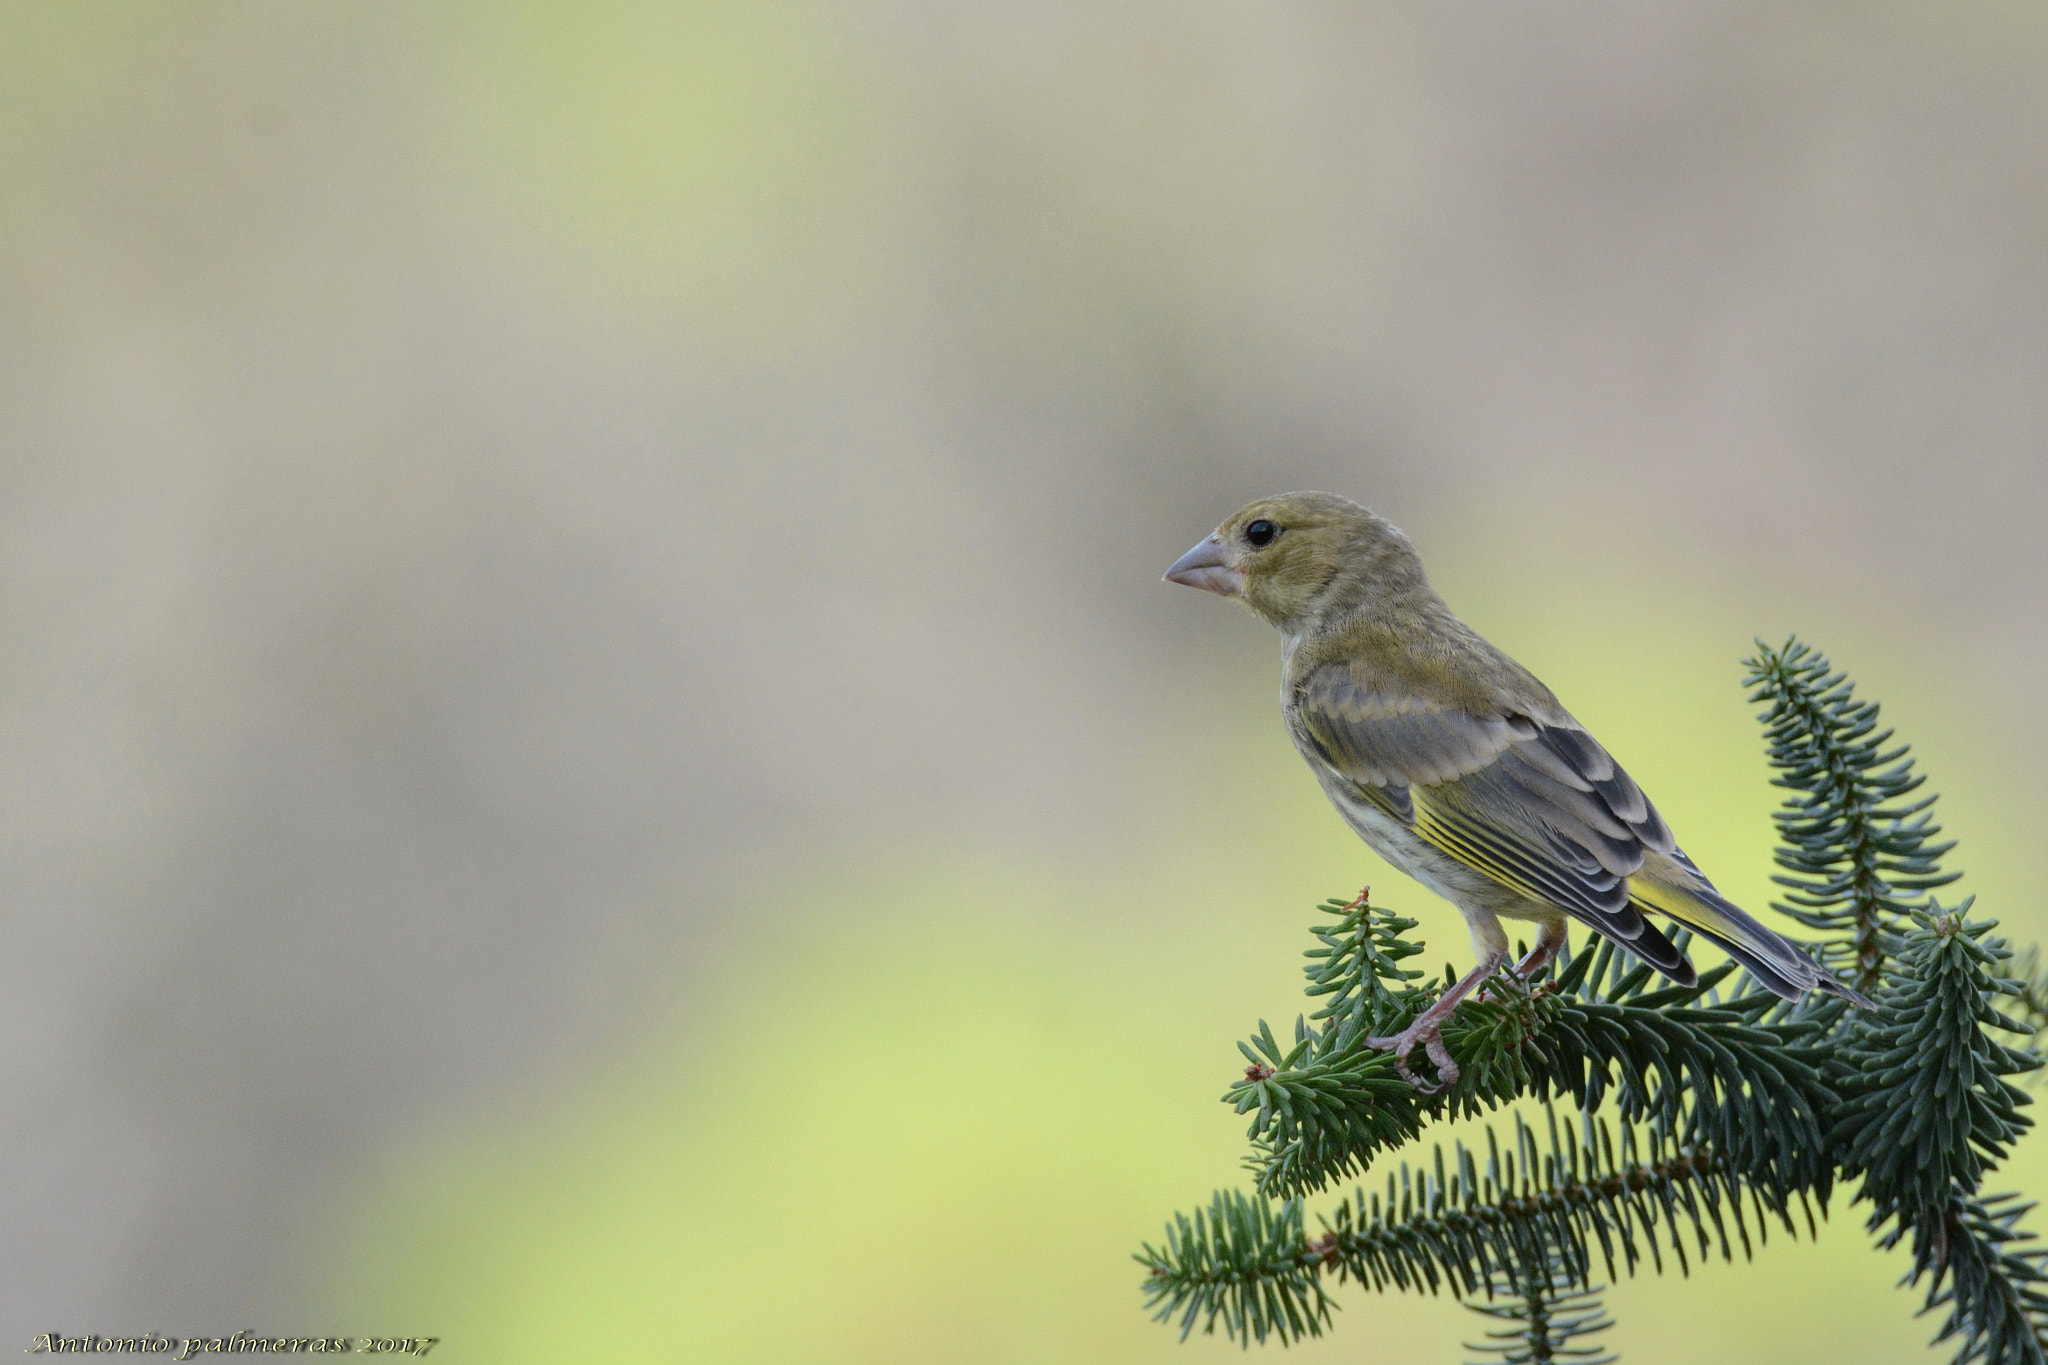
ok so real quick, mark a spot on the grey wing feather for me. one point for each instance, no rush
(1544, 771)
(1380, 740)
(1533, 801)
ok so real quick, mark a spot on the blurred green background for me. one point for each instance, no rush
(596, 762)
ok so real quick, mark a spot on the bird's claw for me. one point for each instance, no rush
(1432, 1044)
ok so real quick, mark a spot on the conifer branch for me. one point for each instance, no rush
(1926, 1109)
(1856, 854)
(1755, 1093)
(1554, 1320)
(1536, 1214)
(1993, 1291)
(1243, 1263)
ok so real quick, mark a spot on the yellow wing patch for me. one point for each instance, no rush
(1582, 887)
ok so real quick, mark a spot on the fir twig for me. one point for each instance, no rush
(1553, 1319)
(1855, 848)
(1245, 1264)
(1926, 1109)
(1539, 1212)
(1992, 1288)
(1754, 1093)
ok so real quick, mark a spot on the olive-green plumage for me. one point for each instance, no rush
(1456, 764)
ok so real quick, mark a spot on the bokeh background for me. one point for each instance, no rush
(595, 761)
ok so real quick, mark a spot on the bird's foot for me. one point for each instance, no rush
(1508, 983)
(1426, 1034)
(1426, 1031)
(1542, 955)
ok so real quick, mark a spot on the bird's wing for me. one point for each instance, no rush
(1678, 889)
(1532, 801)
(1536, 804)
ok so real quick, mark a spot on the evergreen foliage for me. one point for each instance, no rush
(1925, 1107)
(1991, 1292)
(2028, 1001)
(1926, 1112)
(1554, 1320)
(1327, 1105)
(1678, 1123)
(1856, 854)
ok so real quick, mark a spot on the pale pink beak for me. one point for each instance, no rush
(1207, 567)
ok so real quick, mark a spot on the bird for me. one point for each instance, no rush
(1461, 769)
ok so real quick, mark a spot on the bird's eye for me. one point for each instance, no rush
(1261, 533)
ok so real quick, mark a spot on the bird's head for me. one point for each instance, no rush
(1301, 555)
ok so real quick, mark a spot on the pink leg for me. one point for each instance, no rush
(1549, 940)
(1426, 1031)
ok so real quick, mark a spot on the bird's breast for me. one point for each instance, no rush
(1409, 853)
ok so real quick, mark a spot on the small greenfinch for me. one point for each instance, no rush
(1457, 766)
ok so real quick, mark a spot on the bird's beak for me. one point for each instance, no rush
(1207, 567)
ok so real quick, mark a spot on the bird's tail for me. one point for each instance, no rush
(1771, 958)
